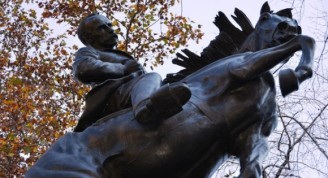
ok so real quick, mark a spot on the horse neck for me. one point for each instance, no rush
(252, 43)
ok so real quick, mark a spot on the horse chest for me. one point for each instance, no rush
(257, 98)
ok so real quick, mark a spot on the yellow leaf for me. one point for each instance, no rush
(29, 124)
(80, 92)
(134, 6)
(115, 23)
(9, 102)
(15, 81)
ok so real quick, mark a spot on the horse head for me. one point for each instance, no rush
(273, 29)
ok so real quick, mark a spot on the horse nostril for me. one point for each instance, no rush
(282, 26)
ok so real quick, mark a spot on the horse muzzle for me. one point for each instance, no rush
(285, 31)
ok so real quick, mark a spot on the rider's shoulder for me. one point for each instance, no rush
(85, 52)
(119, 52)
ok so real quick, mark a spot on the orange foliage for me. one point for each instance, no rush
(39, 99)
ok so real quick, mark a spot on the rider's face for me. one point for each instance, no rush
(102, 33)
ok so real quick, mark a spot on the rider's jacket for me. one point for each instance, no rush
(94, 67)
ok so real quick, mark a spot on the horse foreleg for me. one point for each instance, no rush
(256, 63)
(253, 149)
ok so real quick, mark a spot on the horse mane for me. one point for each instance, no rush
(229, 41)
(230, 38)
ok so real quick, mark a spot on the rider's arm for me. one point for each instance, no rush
(88, 69)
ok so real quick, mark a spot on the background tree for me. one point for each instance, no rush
(299, 145)
(39, 99)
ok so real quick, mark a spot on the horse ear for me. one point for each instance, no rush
(265, 8)
(286, 13)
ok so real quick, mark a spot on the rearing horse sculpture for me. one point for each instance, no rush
(232, 111)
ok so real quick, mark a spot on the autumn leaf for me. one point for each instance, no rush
(41, 100)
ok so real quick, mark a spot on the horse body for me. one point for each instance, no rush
(232, 111)
(188, 144)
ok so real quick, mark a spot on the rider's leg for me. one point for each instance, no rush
(152, 102)
(253, 149)
(144, 87)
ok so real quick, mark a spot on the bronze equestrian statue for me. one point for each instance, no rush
(232, 111)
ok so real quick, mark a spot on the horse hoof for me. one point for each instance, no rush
(288, 81)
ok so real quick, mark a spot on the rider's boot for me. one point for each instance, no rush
(164, 103)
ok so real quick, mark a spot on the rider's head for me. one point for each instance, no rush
(97, 31)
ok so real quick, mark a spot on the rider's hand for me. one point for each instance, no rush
(131, 66)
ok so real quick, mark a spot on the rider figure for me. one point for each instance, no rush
(118, 81)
